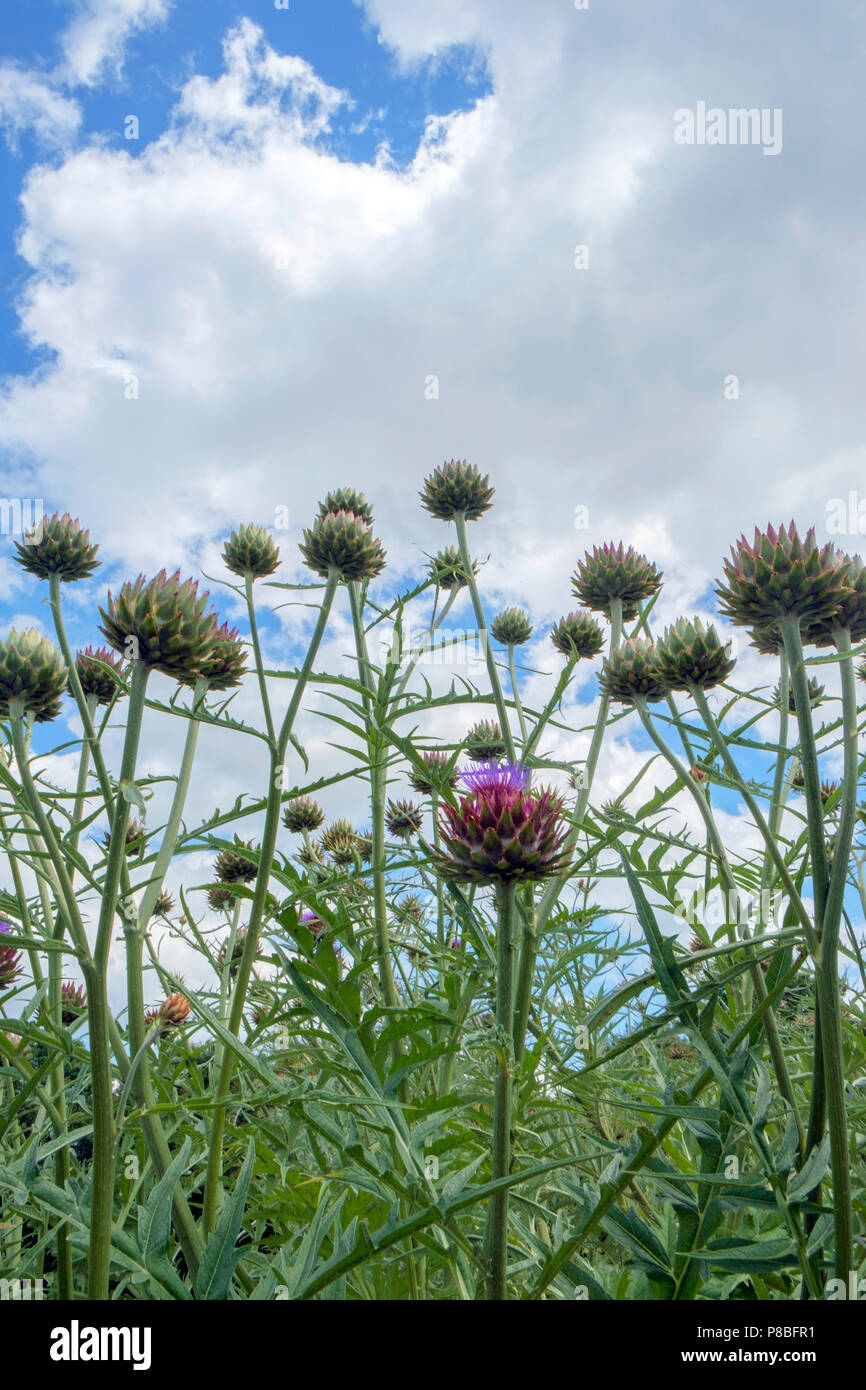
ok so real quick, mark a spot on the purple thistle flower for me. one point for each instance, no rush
(10, 959)
(492, 776)
(501, 829)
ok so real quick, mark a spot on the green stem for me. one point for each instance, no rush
(260, 668)
(497, 1230)
(790, 629)
(257, 910)
(515, 693)
(481, 624)
(378, 786)
(827, 971)
(777, 1053)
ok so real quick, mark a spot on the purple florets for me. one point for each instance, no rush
(493, 776)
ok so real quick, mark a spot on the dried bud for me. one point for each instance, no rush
(303, 813)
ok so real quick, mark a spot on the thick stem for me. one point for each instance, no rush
(790, 629)
(827, 971)
(104, 1152)
(497, 1217)
(378, 776)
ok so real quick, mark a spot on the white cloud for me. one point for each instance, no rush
(29, 102)
(94, 42)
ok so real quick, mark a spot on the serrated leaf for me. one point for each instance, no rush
(220, 1255)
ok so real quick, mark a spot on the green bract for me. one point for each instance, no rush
(32, 672)
(632, 671)
(779, 576)
(58, 546)
(343, 542)
(250, 550)
(612, 572)
(690, 654)
(347, 499)
(163, 622)
(457, 487)
(511, 628)
(578, 634)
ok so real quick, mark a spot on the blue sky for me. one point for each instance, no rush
(390, 104)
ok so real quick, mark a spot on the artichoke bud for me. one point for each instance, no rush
(511, 628)
(58, 546)
(250, 550)
(578, 634)
(632, 671)
(457, 487)
(343, 542)
(32, 672)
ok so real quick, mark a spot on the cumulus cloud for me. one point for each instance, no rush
(94, 42)
(29, 102)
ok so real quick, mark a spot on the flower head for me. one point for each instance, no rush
(484, 741)
(233, 865)
(164, 905)
(10, 959)
(403, 819)
(511, 628)
(577, 634)
(691, 654)
(251, 551)
(501, 830)
(632, 671)
(171, 1013)
(135, 838)
(778, 575)
(457, 487)
(343, 542)
(446, 569)
(73, 1002)
(94, 679)
(58, 546)
(33, 672)
(614, 572)
(434, 777)
(164, 622)
(302, 813)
